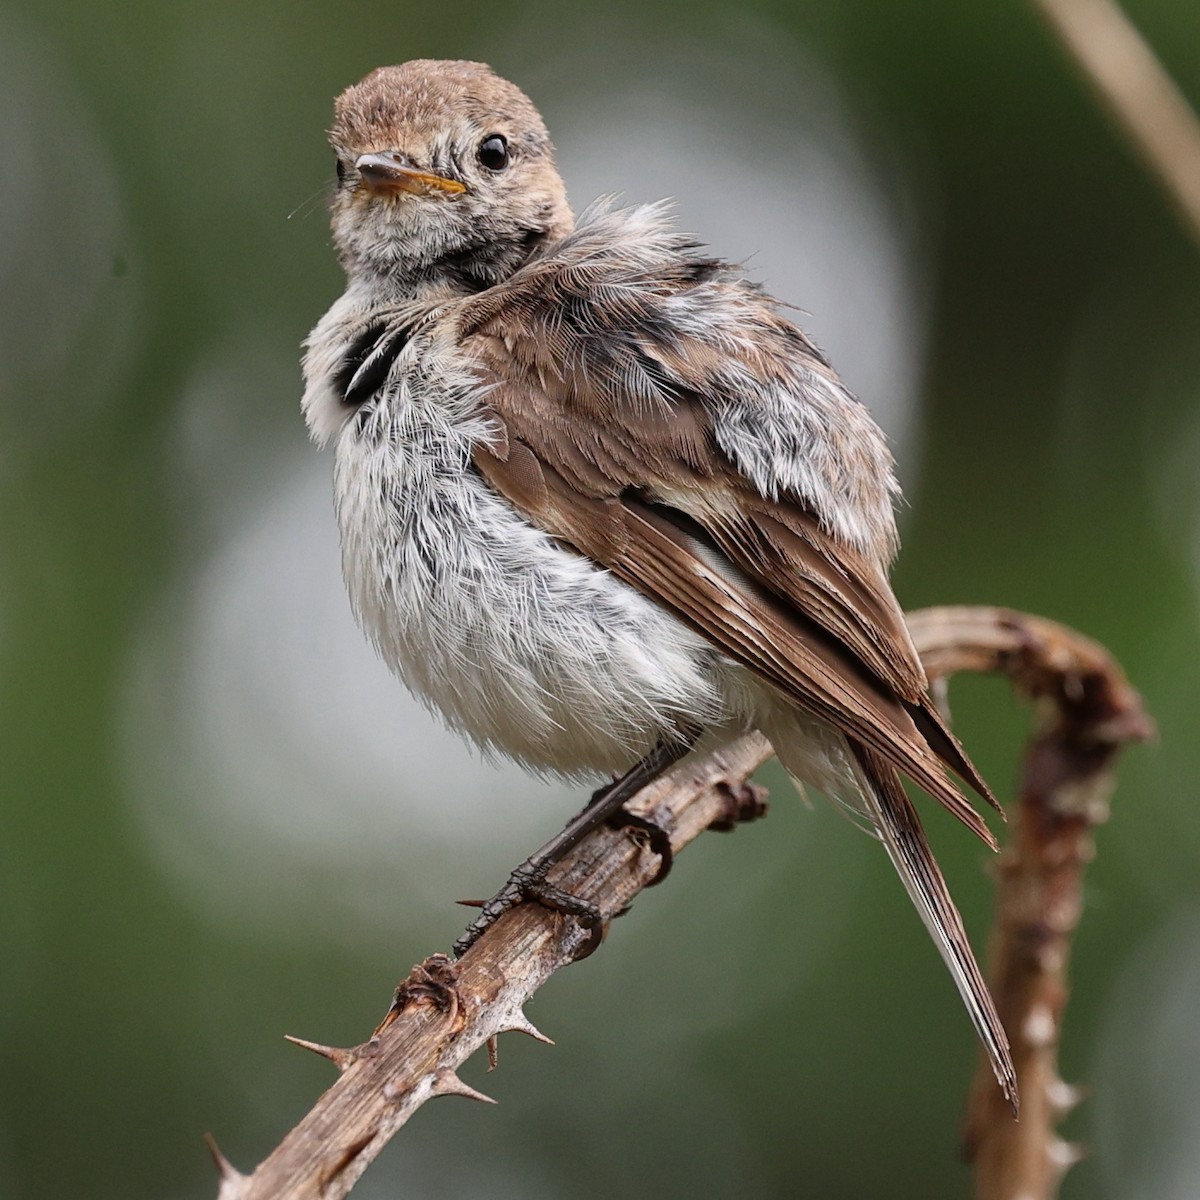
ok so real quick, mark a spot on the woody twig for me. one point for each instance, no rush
(1085, 713)
(446, 1010)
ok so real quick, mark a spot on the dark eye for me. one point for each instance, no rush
(493, 152)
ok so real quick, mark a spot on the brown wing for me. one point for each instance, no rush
(606, 391)
(605, 400)
(665, 555)
(785, 549)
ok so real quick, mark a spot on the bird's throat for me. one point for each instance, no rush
(465, 270)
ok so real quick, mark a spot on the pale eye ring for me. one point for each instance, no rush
(493, 152)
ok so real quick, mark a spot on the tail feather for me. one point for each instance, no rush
(899, 828)
(868, 789)
(945, 745)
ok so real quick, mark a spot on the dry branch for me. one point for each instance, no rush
(1139, 94)
(1085, 712)
(444, 1011)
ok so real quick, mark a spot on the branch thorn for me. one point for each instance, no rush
(522, 1024)
(1064, 1154)
(232, 1180)
(447, 1083)
(1063, 1096)
(339, 1057)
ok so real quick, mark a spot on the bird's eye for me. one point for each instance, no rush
(340, 167)
(493, 152)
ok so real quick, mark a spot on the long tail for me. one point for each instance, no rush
(900, 830)
(877, 802)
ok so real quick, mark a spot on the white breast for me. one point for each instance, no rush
(516, 640)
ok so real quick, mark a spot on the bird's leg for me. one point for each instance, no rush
(657, 840)
(528, 881)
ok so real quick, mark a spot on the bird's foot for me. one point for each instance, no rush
(653, 836)
(528, 882)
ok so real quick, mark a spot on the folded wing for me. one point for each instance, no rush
(614, 385)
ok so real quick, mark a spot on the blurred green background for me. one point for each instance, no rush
(222, 821)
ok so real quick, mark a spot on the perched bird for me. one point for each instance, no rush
(599, 500)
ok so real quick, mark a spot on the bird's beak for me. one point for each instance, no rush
(389, 173)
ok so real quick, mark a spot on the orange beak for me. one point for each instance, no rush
(389, 173)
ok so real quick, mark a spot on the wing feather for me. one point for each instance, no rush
(656, 462)
(641, 545)
(657, 414)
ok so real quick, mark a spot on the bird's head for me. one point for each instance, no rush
(445, 175)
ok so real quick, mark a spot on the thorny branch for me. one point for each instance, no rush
(1085, 712)
(445, 1011)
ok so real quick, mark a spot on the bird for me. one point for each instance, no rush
(601, 503)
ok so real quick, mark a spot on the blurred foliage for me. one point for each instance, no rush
(773, 1023)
